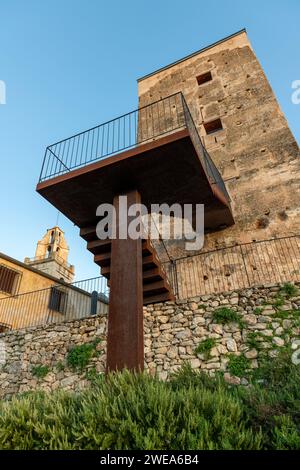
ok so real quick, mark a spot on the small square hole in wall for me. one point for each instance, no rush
(213, 126)
(203, 78)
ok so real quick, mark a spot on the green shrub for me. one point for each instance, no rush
(60, 366)
(92, 375)
(238, 365)
(283, 314)
(226, 315)
(252, 340)
(40, 371)
(79, 356)
(286, 434)
(205, 347)
(272, 402)
(258, 310)
(274, 371)
(135, 411)
(128, 411)
(278, 302)
(289, 290)
(188, 377)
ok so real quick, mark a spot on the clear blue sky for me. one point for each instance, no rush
(69, 65)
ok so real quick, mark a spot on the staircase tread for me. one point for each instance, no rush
(158, 298)
(156, 285)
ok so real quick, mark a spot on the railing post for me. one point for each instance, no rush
(94, 302)
(43, 165)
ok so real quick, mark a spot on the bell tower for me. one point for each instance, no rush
(51, 256)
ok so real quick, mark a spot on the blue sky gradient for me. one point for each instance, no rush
(69, 65)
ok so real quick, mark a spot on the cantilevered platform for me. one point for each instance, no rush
(155, 156)
(166, 170)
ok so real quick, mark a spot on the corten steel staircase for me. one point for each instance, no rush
(156, 285)
(153, 155)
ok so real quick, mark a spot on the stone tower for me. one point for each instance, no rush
(51, 256)
(245, 133)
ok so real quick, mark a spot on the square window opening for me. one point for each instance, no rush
(58, 300)
(204, 78)
(8, 280)
(213, 126)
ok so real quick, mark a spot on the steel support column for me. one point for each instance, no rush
(125, 342)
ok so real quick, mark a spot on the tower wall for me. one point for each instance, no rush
(255, 151)
(51, 256)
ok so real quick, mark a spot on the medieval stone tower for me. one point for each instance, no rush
(244, 131)
(51, 255)
(247, 136)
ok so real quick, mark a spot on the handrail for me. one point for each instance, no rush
(130, 130)
(114, 136)
(233, 267)
(59, 302)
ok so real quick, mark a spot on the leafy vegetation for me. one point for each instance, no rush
(258, 310)
(278, 302)
(289, 290)
(205, 347)
(226, 315)
(252, 340)
(92, 375)
(40, 371)
(60, 366)
(137, 411)
(79, 356)
(238, 365)
(284, 314)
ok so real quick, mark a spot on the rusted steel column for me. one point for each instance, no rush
(125, 342)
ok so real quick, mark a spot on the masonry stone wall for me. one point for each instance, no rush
(269, 319)
(24, 350)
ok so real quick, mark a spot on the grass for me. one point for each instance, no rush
(252, 340)
(258, 310)
(40, 371)
(79, 356)
(60, 366)
(205, 347)
(238, 365)
(278, 302)
(225, 315)
(287, 314)
(289, 290)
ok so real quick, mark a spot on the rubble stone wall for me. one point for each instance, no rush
(267, 319)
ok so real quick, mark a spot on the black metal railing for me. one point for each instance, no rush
(212, 173)
(58, 303)
(262, 262)
(128, 131)
(114, 136)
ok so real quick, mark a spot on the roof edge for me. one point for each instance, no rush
(30, 268)
(192, 54)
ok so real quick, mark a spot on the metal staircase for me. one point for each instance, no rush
(156, 286)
